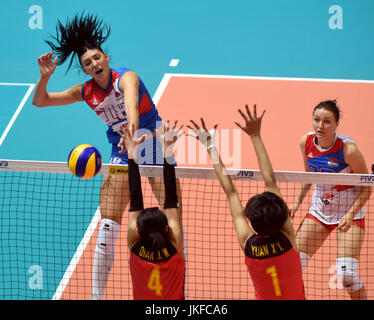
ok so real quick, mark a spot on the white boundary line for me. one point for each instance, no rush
(161, 87)
(156, 99)
(16, 84)
(19, 108)
(186, 75)
(78, 254)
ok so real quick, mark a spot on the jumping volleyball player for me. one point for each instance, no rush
(333, 206)
(271, 254)
(154, 236)
(117, 96)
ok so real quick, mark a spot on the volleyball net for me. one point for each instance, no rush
(49, 220)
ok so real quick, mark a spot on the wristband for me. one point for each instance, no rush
(211, 143)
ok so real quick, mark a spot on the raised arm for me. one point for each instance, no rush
(252, 127)
(168, 137)
(136, 196)
(129, 85)
(207, 138)
(43, 98)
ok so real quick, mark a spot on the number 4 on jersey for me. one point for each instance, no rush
(154, 282)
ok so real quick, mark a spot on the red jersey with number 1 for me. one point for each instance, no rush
(275, 268)
(157, 275)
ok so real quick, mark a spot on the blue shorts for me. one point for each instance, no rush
(149, 153)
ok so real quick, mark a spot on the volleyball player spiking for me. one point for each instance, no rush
(117, 96)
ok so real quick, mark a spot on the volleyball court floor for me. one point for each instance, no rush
(289, 104)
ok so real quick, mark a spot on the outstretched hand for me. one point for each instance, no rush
(168, 137)
(252, 124)
(205, 136)
(129, 141)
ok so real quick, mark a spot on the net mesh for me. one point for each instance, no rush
(49, 222)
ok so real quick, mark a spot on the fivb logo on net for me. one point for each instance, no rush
(188, 150)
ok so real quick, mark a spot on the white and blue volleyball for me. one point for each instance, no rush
(84, 161)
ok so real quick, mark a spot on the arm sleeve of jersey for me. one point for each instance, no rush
(171, 197)
(83, 92)
(136, 196)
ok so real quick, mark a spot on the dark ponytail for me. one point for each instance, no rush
(77, 36)
(152, 225)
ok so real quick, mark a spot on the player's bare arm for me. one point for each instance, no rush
(207, 138)
(41, 97)
(356, 161)
(252, 127)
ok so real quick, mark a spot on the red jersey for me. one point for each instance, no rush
(157, 275)
(275, 268)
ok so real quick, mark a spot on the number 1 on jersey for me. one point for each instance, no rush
(154, 282)
(274, 276)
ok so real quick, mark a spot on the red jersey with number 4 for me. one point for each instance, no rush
(275, 268)
(157, 275)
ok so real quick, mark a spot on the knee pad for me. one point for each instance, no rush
(107, 237)
(346, 272)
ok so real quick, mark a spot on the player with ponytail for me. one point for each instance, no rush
(117, 96)
(155, 236)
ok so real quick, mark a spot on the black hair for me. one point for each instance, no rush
(152, 224)
(82, 33)
(267, 213)
(330, 105)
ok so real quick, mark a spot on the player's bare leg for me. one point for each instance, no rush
(114, 199)
(349, 248)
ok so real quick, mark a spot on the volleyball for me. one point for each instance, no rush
(84, 161)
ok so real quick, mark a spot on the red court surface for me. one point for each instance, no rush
(215, 264)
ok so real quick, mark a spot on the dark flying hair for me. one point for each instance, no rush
(82, 33)
(151, 224)
(267, 213)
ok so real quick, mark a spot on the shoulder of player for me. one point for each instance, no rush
(243, 242)
(129, 78)
(353, 156)
(350, 149)
(302, 144)
(302, 140)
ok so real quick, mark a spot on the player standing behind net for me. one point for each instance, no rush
(333, 207)
(270, 250)
(117, 96)
(155, 237)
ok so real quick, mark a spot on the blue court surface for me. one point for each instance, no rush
(291, 38)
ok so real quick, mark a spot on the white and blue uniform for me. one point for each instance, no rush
(108, 103)
(331, 202)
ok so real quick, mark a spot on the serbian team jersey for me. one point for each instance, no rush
(157, 275)
(109, 104)
(275, 268)
(331, 202)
